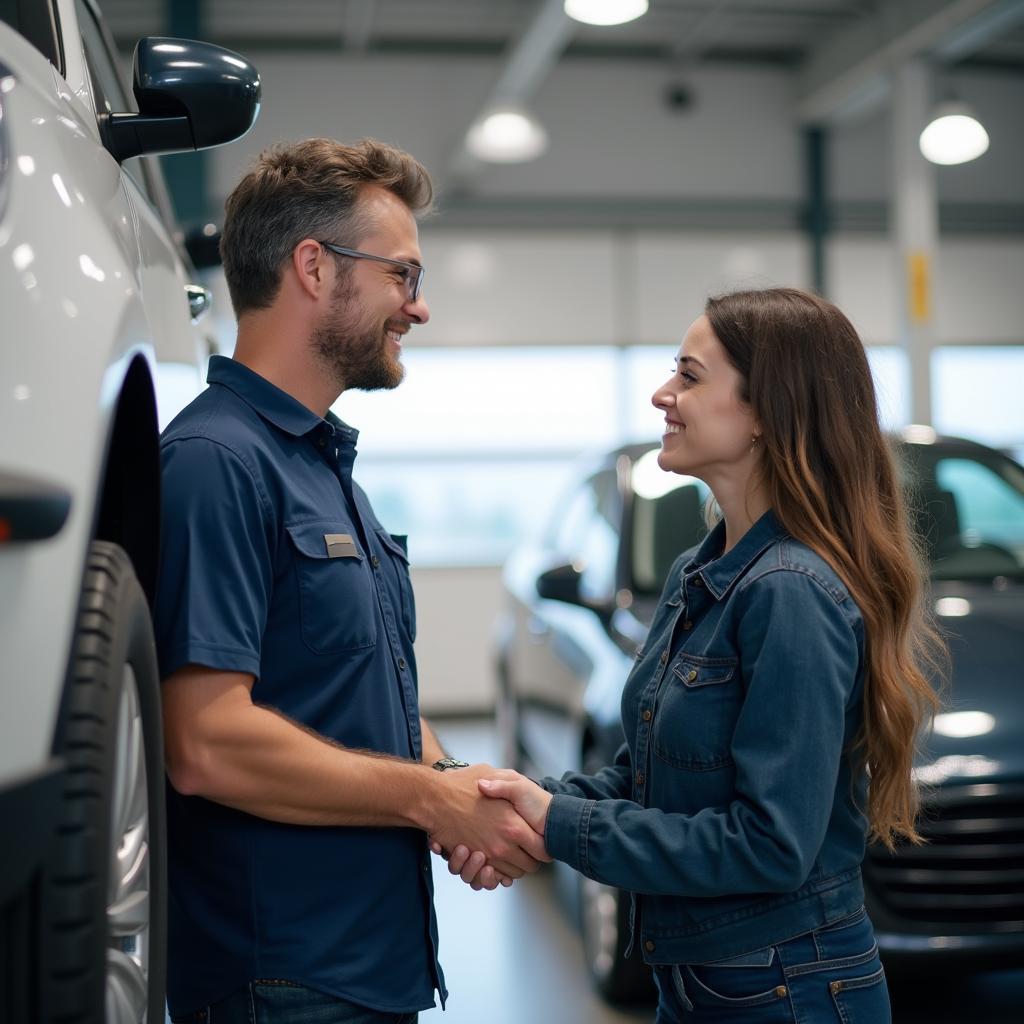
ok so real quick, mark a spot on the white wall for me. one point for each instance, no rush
(456, 610)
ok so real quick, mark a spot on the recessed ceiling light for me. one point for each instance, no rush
(954, 136)
(507, 135)
(605, 12)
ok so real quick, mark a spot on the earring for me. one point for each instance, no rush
(754, 438)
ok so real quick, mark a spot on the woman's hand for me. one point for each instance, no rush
(525, 796)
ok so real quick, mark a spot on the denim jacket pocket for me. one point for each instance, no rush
(696, 714)
(336, 595)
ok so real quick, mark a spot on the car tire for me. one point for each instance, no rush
(104, 892)
(604, 924)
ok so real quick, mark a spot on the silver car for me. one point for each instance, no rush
(94, 289)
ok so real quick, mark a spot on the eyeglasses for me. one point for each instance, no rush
(413, 272)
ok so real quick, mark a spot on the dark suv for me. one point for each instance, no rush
(580, 599)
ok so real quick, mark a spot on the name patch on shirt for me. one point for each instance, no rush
(340, 545)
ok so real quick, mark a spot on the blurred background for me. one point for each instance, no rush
(595, 183)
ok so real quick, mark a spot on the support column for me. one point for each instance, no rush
(914, 227)
(816, 216)
(186, 173)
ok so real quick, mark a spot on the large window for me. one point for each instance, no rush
(977, 393)
(475, 448)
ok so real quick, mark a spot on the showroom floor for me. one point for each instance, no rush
(513, 956)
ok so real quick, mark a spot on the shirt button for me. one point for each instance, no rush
(647, 715)
(664, 657)
(691, 675)
(687, 624)
(322, 442)
(639, 778)
(649, 946)
(401, 662)
(375, 562)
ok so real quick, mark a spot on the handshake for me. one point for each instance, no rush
(488, 823)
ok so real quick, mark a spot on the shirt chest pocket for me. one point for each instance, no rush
(397, 545)
(337, 600)
(697, 710)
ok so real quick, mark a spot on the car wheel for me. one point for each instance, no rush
(104, 888)
(604, 922)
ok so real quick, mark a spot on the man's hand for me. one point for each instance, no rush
(490, 828)
(533, 802)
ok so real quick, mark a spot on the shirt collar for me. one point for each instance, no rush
(274, 405)
(719, 572)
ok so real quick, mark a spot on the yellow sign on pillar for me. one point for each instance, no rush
(919, 282)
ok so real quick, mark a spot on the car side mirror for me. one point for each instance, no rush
(191, 95)
(561, 583)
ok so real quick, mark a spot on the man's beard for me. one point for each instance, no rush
(352, 349)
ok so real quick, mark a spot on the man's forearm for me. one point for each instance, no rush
(269, 766)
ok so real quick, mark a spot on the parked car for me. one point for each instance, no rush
(95, 289)
(581, 597)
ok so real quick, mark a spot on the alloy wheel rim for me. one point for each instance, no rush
(128, 917)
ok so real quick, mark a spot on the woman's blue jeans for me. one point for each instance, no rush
(282, 1002)
(827, 976)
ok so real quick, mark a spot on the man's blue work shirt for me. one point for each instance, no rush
(273, 563)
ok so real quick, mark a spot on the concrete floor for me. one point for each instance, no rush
(514, 956)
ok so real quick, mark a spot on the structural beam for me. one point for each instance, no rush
(528, 64)
(358, 27)
(854, 69)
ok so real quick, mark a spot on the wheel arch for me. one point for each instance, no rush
(128, 505)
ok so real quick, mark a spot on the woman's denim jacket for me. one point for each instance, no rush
(732, 811)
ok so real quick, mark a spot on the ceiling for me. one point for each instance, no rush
(788, 32)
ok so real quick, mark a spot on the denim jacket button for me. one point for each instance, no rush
(649, 946)
(639, 778)
(687, 624)
(648, 715)
(691, 675)
(664, 657)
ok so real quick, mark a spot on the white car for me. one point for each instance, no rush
(94, 289)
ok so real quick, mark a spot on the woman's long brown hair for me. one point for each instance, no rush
(831, 481)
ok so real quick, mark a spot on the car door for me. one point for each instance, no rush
(161, 267)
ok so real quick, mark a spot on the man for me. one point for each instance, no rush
(302, 794)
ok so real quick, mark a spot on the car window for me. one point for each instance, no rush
(599, 545)
(36, 21)
(969, 512)
(109, 91)
(585, 531)
(664, 526)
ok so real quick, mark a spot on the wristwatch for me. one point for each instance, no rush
(448, 762)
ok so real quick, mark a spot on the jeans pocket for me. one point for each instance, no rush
(862, 999)
(734, 986)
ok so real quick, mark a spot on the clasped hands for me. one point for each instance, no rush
(490, 825)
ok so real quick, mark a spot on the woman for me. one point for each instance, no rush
(784, 668)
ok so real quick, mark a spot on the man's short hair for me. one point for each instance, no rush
(303, 190)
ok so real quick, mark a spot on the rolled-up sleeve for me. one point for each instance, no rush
(800, 658)
(216, 560)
